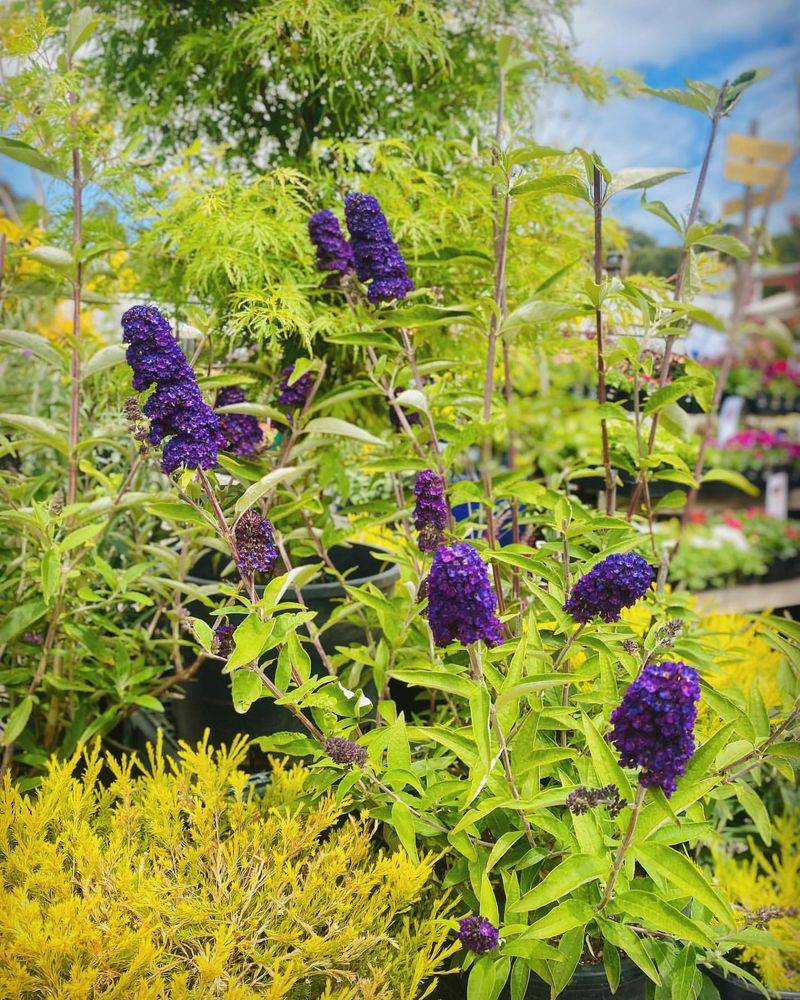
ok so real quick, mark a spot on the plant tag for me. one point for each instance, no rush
(776, 495)
(729, 415)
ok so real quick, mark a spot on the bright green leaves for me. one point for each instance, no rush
(572, 873)
(675, 868)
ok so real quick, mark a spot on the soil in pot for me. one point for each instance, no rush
(206, 701)
(730, 988)
(588, 983)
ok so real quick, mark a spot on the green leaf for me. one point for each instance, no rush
(652, 911)
(82, 23)
(732, 478)
(102, 360)
(678, 870)
(341, 428)
(563, 917)
(413, 398)
(756, 810)
(264, 485)
(480, 985)
(177, 510)
(425, 315)
(293, 744)
(246, 687)
(682, 975)
(38, 346)
(403, 823)
(17, 720)
(541, 311)
(80, 536)
(566, 184)
(20, 617)
(569, 947)
(45, 430)
(605, 762)
(628, 941)
(203, 632)
(639, 178)
(667, 394)
(563, 879)
(439, 680)
(55, 257)
(23, 153)
(51, 573)
(660, 210)
(250, 638)
(725, 244)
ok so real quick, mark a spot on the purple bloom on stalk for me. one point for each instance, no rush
(255, 542)
(377, 257)
(413, 417)
(334, 253)
(242, 433)
(461, 601)
(430, 510)
(293, 396)
(613, 584)
(175, 408)
(654, 723)
(223, 639)
(345, 752)
(478, 934)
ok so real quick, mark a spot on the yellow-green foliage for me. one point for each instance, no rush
(766, 881)
(178, 883)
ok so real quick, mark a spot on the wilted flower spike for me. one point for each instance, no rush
(255, 543)
(478, 934)
(293, 395)
(653, 726)
(430, 510)
(461, 600)
(175, 408)
(377, 257)
(613, 584)
(334, 253)
(242, 432)
(345, 752)
(223, 639)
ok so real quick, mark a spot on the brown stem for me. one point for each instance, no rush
(597, 205)
(678, 290)
(622, 850)
(75, 361)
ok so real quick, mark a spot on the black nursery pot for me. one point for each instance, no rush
(730, 988)
(207, 702)
(588, 983)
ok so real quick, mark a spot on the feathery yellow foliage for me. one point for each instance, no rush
(179, 882)
(765, 881)
(744, 656)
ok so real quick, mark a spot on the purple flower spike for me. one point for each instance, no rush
(345, 752)
(334, 253)
(430, 510)
(478, 934)
(377, 257)
(294, 396)
(255, 543)
(613, 584)
(242, 433)
(175, 408)
(223, 639)
(654, 723)
(461, 600)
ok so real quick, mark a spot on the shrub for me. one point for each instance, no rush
(180, 881)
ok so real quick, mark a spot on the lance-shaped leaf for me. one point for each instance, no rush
(341, 428)
(563, 879)
(23, 153)
(639, 178)
(32, 342)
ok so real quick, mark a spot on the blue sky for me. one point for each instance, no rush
(667, 41)
(710, 40)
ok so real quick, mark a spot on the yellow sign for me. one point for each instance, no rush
(735, 205)
(754, 148)
(751, 173)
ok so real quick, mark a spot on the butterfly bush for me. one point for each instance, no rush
(617, 582)
(462, 603)
(653, 727)
(478, 934)
(178, 415)
(255, 543)
(377, 257)
(242, 432)
(430, 510)
(293, 395)
(345, 752)
(334, 253)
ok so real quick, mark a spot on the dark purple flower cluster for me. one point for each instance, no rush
(345, 752)
(223, 639)
(294, 396)
(613, 584)
(654, 723)
(175, 408)
(478, 934)
(461, 601)
(430, 510)
(242, 433)
(583, 799)
(334, 253)
(255, 543)
(377, 257)
(413, 417)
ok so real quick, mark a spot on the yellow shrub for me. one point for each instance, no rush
(765, 881)
(177, 882)
(743, 656)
